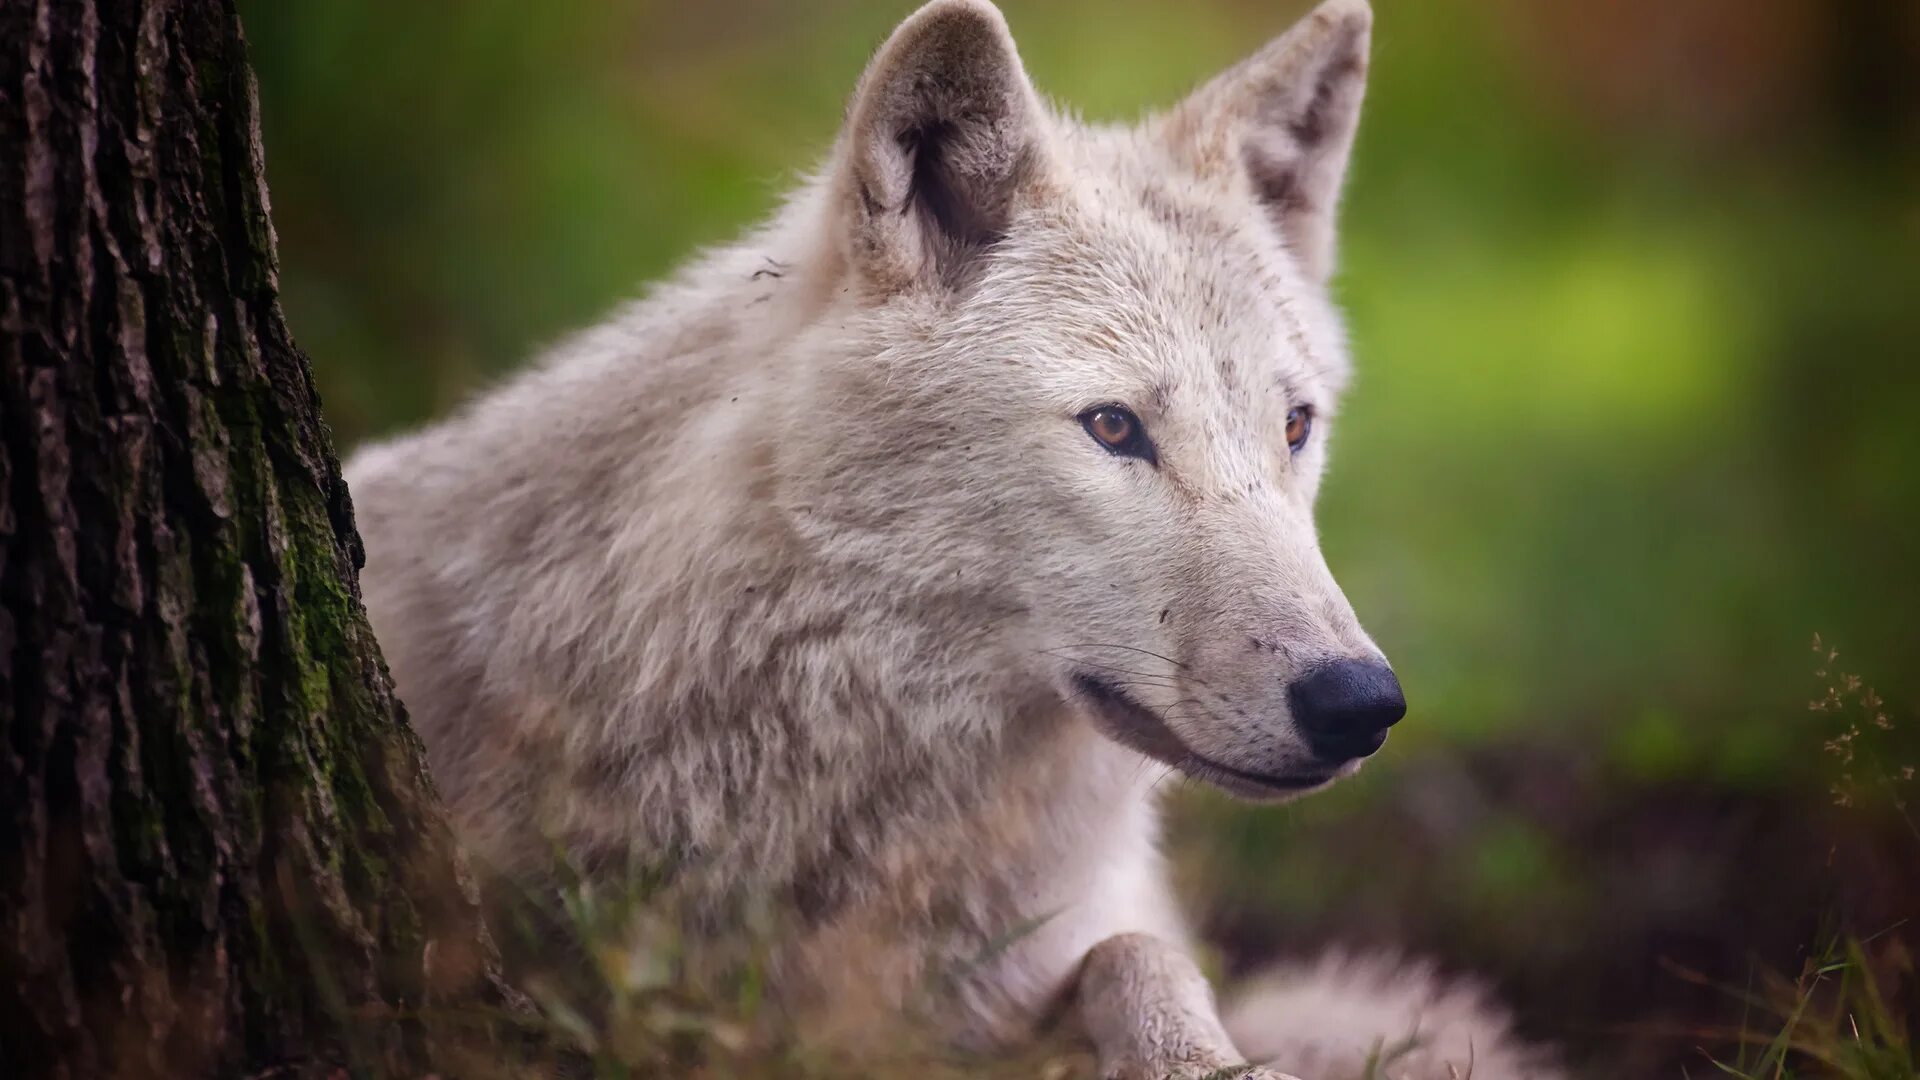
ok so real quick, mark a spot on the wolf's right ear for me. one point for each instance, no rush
(944, 132)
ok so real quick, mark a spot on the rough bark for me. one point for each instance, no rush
(219, 850)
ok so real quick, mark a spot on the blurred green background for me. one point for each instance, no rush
(1635, 297)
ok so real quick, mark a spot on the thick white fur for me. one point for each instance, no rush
(781, 578)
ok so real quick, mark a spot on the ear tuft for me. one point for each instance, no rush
(942, 133)
(1286, 118)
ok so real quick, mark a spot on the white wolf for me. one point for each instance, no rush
(879, 565)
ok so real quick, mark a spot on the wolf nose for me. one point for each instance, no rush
(1345, 707)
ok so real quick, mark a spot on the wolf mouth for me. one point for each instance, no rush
(1132, 724)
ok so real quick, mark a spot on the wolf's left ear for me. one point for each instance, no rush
(1285, 117)
(943, 133)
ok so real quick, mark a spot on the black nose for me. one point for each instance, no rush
(1345, 707)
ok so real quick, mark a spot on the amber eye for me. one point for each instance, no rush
(1299, 426)
(1112, 426)
(1116, 428)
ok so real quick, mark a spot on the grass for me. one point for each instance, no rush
(1849, 1012)
(1835, 1020)
(622, 991)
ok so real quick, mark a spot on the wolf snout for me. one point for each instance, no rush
(1343, 708)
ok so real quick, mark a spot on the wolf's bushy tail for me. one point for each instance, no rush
(1351, 1016)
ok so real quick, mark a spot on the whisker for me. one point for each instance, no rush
(1320, 371)
(1129, 648)
(1167, 680)
(1140, 769)
(1167, 772)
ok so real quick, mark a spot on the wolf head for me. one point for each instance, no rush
(1082, 380)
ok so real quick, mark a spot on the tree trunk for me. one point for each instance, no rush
(220, 853)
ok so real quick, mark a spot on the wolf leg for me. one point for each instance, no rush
(1151, 1015)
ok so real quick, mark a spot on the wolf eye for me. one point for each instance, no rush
(1299, 426)
(1116, 428)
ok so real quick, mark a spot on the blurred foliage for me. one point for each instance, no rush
(1635, 296)
(1832, 1020)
